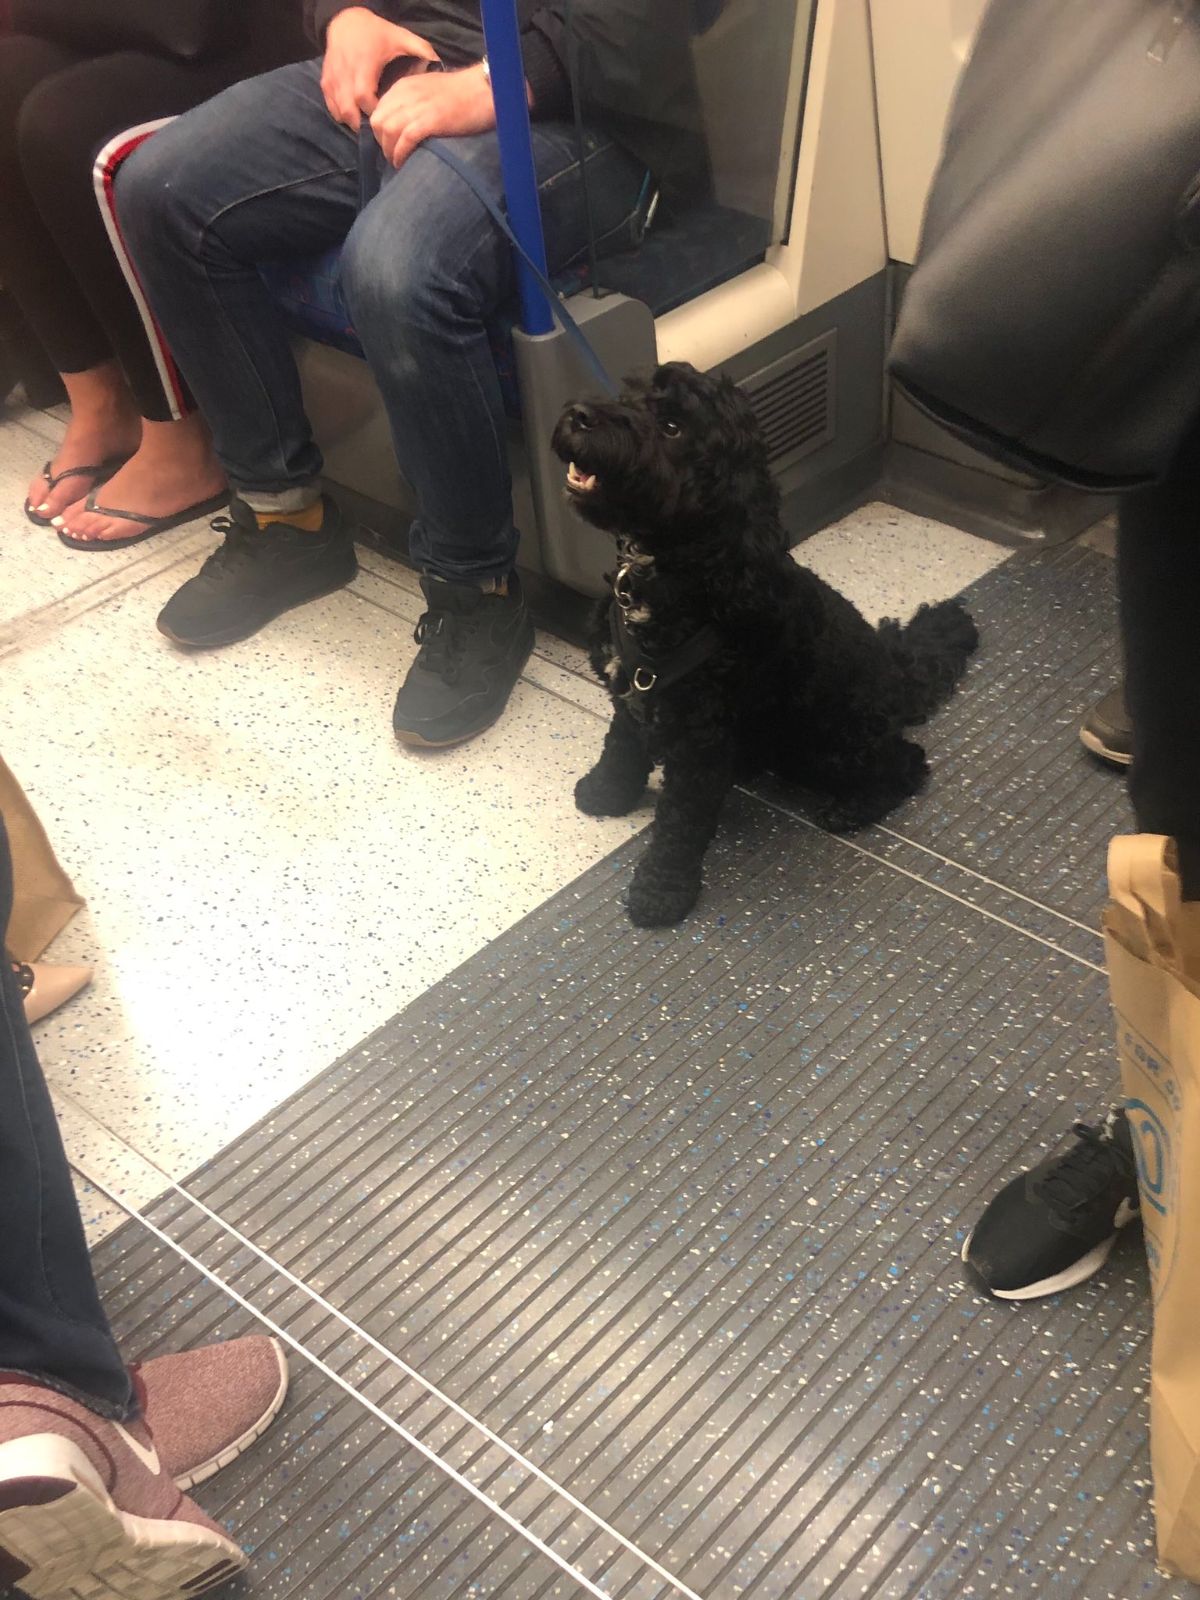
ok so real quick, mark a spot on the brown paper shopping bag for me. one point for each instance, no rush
(44, 899)
(1153, 945)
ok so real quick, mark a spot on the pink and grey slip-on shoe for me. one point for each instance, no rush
(206, 1407)
(88, 1509)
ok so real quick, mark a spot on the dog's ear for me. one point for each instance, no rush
(748, 470)
(736, 418)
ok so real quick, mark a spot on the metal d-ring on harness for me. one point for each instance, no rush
(644, 671)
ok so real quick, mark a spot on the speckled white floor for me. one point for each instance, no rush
(40, 573)
(269, 877)
(888, 561)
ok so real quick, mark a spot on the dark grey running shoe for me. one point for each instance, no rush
(1053, 1227)
(256, 575)
(473, 649)
(1107, 729)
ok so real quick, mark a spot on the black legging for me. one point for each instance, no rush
(1159, 577)
(57, 109)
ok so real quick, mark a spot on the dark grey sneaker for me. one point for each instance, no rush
(1107, 729)
(1054, 1226)
(256, 575)
(473, 648)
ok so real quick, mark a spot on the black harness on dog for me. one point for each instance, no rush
(643, 671)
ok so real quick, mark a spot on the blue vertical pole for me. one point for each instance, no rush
(502, 34)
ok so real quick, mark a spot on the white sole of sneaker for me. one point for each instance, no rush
(1078, 1272)
(210, 1468)
(1115, 758)
(61, 1534)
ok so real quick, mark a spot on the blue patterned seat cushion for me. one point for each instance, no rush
(675, 263)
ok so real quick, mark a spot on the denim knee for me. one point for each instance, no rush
(383, 287)
(426, 277)
(151, 188)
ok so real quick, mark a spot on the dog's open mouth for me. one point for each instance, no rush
(580, 482)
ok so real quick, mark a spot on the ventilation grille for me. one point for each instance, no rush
(793, 399)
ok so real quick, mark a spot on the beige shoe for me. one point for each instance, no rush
(44, 988)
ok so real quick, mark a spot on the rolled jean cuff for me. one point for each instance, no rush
(298, 498)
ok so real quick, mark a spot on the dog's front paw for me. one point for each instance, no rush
(658, 898)
(605, 794)
(852, 815)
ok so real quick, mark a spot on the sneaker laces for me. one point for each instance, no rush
(441, 642)
(236, 542)
(1082, 1175)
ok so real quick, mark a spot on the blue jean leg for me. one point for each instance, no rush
(424, 269)
(260, 172)
(263, 172)
(52, 1327)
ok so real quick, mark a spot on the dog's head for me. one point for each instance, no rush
(678, 460)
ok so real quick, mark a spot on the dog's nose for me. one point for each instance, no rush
(582, 418)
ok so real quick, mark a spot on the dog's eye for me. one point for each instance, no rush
(670, 427)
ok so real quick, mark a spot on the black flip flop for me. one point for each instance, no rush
(150, 525)
(98, 474)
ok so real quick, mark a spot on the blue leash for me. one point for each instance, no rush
(370, 160)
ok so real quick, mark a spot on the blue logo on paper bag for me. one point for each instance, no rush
(1154, 1123)
(1152, 1150)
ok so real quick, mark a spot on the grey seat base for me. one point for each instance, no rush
(837, 445)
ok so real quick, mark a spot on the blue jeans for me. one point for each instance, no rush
(262, 172)
(52, 1328)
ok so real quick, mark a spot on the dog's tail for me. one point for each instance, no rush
(931, 651)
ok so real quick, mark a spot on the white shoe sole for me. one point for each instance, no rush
(1078, 1272)
(61, 1534)
(209, 1469)
(1097, 746)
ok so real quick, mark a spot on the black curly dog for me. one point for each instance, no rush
(722, 655)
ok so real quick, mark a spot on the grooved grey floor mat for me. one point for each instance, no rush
(663, 1228)
(1014, 795)
(333, 1503)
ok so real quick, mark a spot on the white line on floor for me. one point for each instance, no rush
(873, 855)
(411, 1372)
